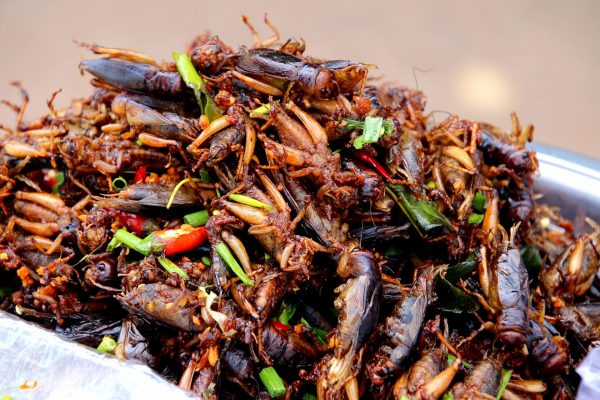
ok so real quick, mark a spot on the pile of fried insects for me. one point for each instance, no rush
(259, 223)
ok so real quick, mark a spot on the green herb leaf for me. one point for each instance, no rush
(479, 202)
(447, 396)
(532, 259)
(107, 345)
(205, 260)
(193, 80)
(287, 312)
(452, 357)
(506, 374)
(423, 216)
(431, 185)
(475, 219)
(204, 176)
(321, 334)
(171, 268)
(373, 128)
(462, 269)
(454, 299)
(273, 383)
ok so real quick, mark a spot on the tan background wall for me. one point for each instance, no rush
(485, 59)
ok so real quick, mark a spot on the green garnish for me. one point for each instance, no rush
(262, 110)
(114, 242)
(309, 396)
(132, 241)
(452, 357)
(230, 260)
(447, 396)
(139, 142)
(423, 216)
(193, 80)
(272, 382)
(249, 201)
(198, 218)
(373, 128)
(532, 259)
(506, 374)
(321, 334)
(205, 260)
(431, 185)
(171, 267)
(60, 179)
(479, 203)
(204, 176)
(119, 183)
(475, 219)
(287, 312)
(107, 345)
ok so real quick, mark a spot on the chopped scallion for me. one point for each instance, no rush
(132, 241)
(119, 183)
(205, 260)
(321, 334)
(506, 374)
(171, 268)
(224, 252)
(309, 396)
(262, 110)
(198, 218)
(114, 242)
(273, 383)
(452, 357)
(249, 201)
(373, 128)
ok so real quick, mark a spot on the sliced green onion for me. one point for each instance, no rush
(114, 242)
(272, 382)
(262, 110)
(479, 202)
(205, 260)
(139, 142)
(230, 260)
(132, 241)
(193, 80)
(287, 312)
(267, 258)
(431, 185)
(452, 357)
(60, 179)
(532, 259)
(309, 396)
(475, 219)
(249, 201)
(171, 267)
(119, 183)
(321, 334)
(506, 374)
(107, 345)
(197, 218)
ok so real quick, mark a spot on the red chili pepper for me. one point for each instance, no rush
(281, 327)
(132, 222)
(369, 159)
(179, 240)
(140, 175)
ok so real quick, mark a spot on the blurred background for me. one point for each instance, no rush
(480, 60)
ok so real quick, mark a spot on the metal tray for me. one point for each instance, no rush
(68, 370)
